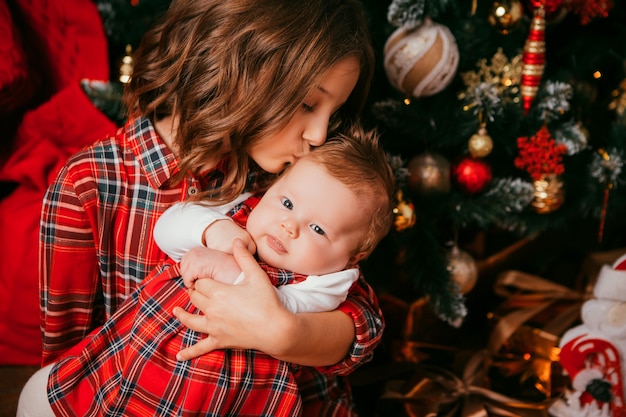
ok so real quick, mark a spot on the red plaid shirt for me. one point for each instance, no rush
(130, 365)
(96, 241)
(96, 245)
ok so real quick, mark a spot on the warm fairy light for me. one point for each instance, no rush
(604, 154)
(597, 75)
(126, 69)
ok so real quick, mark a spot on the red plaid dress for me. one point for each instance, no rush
(129, 368)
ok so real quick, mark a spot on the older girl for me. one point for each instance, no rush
(224, 94)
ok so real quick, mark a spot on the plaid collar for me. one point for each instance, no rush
(155, 159)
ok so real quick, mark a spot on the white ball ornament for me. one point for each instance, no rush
(423, 61)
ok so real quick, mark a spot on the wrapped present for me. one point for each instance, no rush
(524, 341)
(436, 391)
(515, 373)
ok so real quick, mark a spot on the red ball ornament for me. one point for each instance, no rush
(471, 175)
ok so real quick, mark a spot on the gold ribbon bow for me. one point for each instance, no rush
(532, 295)
(434, 391)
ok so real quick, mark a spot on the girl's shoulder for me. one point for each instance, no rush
(134, 143)
(96, 153)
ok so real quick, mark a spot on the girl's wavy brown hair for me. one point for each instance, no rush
(236, 71)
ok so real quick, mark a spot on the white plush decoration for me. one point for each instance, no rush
(572, 406)
(611, 284)
(423, 61)
(594, 353)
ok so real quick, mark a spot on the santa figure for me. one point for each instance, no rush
(593, 353)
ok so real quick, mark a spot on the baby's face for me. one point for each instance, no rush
(307, 222)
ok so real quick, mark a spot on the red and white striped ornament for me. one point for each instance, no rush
(534, 58)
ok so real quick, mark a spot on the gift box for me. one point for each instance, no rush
(525, 335)
(514, 375)
(437, 391)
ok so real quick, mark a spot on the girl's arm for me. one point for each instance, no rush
(250, 316)
(69, 276)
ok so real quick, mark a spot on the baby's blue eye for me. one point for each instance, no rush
(318, 229)
(287, 203)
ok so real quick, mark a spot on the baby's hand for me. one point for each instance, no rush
(203, 262)
(221, 234)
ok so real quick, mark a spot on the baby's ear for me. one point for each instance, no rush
(356, 259)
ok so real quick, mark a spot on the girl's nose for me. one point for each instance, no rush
(316, 131)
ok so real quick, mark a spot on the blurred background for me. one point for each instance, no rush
(505, 124)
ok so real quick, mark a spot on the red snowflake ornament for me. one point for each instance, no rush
(540, 154)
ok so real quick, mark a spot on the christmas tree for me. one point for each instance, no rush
(499, 117)
(507, 118)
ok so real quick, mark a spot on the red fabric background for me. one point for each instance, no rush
(50, 47)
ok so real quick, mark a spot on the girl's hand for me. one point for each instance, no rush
(248, 315)
(221, 234)
(200, 262)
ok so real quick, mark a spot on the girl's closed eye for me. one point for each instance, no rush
(307, 107)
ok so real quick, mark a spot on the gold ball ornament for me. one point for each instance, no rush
(429, 172)
(463, 269)
(423, 61)
(505, 15)
(404, 213)
(480, 144)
